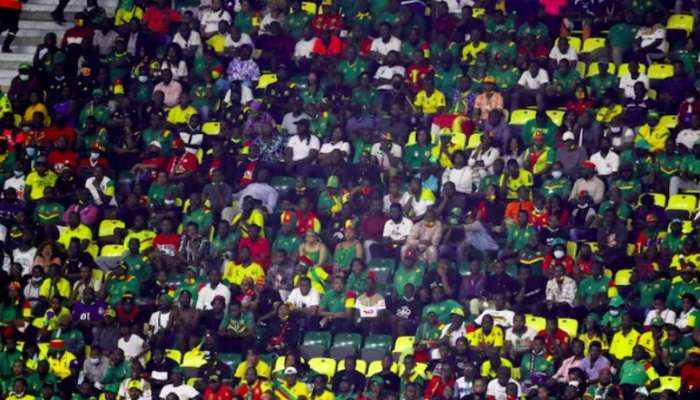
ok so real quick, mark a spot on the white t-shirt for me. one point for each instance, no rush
(16, 183)
(159, 321)
(606, 165)
(557, 55)
(369, 307)
(387, 201)
(462, 178)
(131, 347)
(397, 231)
(25, 259)
(301, 148)
(244, 39)
(627, 84)
(210, 20)
(207, 294)
(299, 300)
(328, 148)
(183, 392)
(381, 156)
(522, 341)
(682, 320)
(303, 48)
(686, 137)
(534, 82)
(178, 69)
(289, 122)
(650, 35)
(246, 95)
(387, 72)
(193, 41)
(378, 45)
(668, 315)
(498, 391)
(502, 318)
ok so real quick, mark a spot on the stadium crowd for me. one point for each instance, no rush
(354, 200)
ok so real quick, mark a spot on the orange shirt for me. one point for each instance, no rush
(514, 207)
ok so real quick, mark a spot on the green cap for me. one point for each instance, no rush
(24, 66)
(332, 182)
(377, 379)
(616, 301)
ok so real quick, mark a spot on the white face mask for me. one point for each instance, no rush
(169, 202)
(143, 78)
(30, 151)
(24, 77)
(94, 155)
(615, 129)
(614, 311)
(558, 253)
(18, 173)
(94, 360)
(556, 174)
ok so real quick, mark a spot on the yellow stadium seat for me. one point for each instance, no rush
(474, 141)
(515, 373)
(659, 199)
(279, 364)
(660, 71)
(623, 277)
(309, 7)
(557, 116)
(682, 202)
(97, 274)
(404, 344)
(581, 68)
(624, 69)
(672, 383)
(211, 128)
(108, 226)
(193, 359)
(323, 365)
(535, 322)
(521, 116)
(174, 354)
(574, 41)
(681, 22)
(592, 44)
(594, 69)
(360, 366)
(669, 121)
(375, 367)
(571, 248)
(112, 250)
(93, 250)
(266, 80)
(478, 12)
(569, 325)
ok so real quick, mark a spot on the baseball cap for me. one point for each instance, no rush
(457, 311)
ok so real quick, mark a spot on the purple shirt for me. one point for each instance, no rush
(88, 312)
(593, 371)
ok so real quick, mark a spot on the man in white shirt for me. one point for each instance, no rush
(303, 48)
(304, 297)
(178, 387)
(687, 137)
(659, 310)
(628, 81)
(385, 43)
(532, 84)
(290, 119)
(160, 320)
(387, 153)
(497, 388)
(17, 181)
(189, 41)
(133, 346)
(606, 161)
(210, 18)
(397, 228)
(563, 51)
(211, 290)
(303, 147)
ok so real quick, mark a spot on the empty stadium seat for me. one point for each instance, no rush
(683, 204)
(174, 354)
(672, 383)
(315, 343)
(681, 22)
(266, 80)
(231, 359)
(404, 345)
(623, 277)
(569, 325)
(660, 71)
(557, 116)
(345, 344)
(593, 43)
(323, 365)
(521, 116)
(376, 346)
(535, 322)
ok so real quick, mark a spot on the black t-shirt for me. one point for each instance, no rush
(266, 301)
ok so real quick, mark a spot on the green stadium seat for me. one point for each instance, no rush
(376, 347)
(315, 343)
(231, 359)
(345, 344)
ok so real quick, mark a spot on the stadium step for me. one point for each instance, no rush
(35, 23)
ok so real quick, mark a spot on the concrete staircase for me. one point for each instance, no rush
(35, 22)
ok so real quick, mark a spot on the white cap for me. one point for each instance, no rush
(290, 371)
(568, 135)
(155, 143)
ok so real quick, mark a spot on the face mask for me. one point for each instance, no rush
(558, 253)
(94, 360)
(556, 174)
(18, 173)
(615, 129)
(94, 155)
(36, 279)
(614, 312)
(143, 78)
(169, 202)
(24, 77)
(30, 151)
